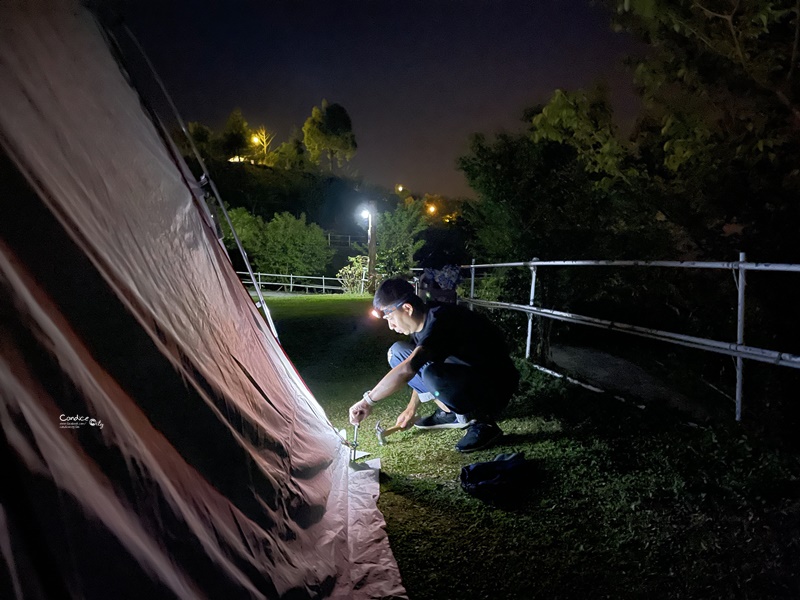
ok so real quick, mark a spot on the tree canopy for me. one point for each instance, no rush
(716, 149)
(293, 246)
(328, 134)
(398, 238)
(538, 198)
(292, 155)
(285, 245)
(235, 137)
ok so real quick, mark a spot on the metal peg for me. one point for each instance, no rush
(354, 445)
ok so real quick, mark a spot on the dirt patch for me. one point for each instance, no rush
(621, 377)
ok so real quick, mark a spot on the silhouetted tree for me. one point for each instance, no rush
(235, 137)
(328, 133)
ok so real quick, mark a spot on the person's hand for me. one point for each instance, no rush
(359, 411)
(407, 418)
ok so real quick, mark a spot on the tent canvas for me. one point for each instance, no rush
(156, 440)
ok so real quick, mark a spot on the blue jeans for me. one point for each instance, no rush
(462, 388)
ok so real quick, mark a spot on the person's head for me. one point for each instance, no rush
(397, 303)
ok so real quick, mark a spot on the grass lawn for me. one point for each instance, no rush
(625, 503)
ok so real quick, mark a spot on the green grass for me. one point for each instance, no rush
(626, 503)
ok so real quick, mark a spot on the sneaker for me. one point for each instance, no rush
(481, 434)
(440, 420)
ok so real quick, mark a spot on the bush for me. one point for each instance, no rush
(284, 245)
(353, 275)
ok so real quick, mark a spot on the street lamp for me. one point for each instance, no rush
(369, 213)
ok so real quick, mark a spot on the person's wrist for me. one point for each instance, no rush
(368, 399)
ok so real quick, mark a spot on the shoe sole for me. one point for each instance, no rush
(482, 446)
(443, 426)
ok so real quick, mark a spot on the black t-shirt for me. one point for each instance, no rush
(455, 331)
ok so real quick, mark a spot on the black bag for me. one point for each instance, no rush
(504, 480)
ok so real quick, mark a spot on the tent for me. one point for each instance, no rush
(155, 440)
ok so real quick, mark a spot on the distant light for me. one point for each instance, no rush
(365, 214)
(431, 209)
(399, 188)
(256, 140)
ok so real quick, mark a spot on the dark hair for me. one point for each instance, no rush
(396, 290)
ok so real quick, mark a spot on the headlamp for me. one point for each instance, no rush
(389, 309)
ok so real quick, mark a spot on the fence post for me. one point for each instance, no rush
(530, 303)
(323, 284)
(472, 284)
(740, 336)
(363, 275)
(291, 283)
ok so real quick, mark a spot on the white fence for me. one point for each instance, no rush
(298, 283)
(737, 349)
(341, 239)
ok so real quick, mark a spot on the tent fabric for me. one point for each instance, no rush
(155, 440)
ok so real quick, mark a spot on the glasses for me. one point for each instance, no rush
(389, 309)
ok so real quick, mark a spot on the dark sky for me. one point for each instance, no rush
(417, 78)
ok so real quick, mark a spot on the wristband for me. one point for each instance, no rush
(368, 399)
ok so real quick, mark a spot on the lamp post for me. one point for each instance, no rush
(370, 213)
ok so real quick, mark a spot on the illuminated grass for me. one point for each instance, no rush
(628, 503)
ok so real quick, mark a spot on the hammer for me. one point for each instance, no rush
(383, 433)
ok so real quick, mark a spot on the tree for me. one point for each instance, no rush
(291, 155)
(624, 170)
(292, 246)
(284, 245)
(328, 133)
(203, 139)
(262, 139)
(754, 44)
(538, 199)
(584, 121)
(250, 230)
(235, 138)
(398, 238)
(721, 132)
(720, 140)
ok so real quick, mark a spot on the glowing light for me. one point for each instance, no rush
(365, 214)
(255, 139)
(431, 209)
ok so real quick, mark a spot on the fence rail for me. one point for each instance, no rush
(290, 283)
(737, 349)
(294, 283)
(342, 240)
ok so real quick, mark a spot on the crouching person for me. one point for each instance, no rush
(455, 357)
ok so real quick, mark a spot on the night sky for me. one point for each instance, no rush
(417, 78)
